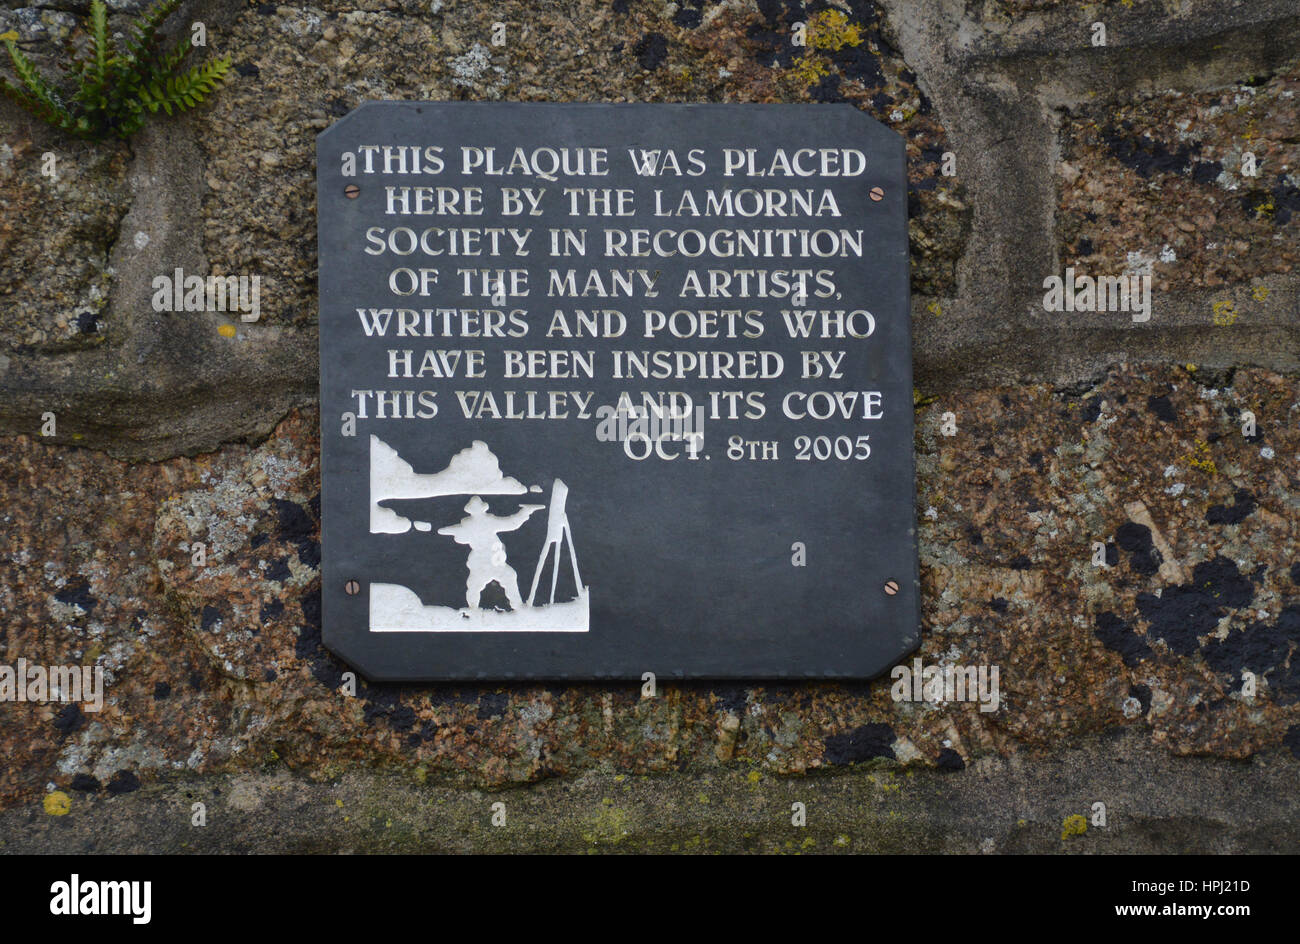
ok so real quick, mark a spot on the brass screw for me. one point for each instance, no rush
(352, 588)
(891, 587)
(877, 194)
(351, 191)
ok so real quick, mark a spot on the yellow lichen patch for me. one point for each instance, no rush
(1266, 209)
(57, 803)
(1225, 313)
(809, 70)
(1199, 458)
(227, 331)
(832, 30)
(1259, 293)
(1075, 825)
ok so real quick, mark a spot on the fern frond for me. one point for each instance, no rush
(99, 40)
(142, 45)
(169, 63)
(50, 114)
(115, 90)
(35, 86)
(186, 90)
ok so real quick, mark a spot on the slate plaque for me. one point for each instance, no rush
(615, 389)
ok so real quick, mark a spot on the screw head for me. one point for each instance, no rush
(891, 587)
(352, 588)
(877, 194)
(351, 191)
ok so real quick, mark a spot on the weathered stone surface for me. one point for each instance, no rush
(219, 667)
(218, 680)
(1153, 804)
(1161, 183)
(55, 237)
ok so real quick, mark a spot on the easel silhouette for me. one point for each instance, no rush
(557, 531)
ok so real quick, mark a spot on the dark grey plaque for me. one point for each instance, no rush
(484, 513)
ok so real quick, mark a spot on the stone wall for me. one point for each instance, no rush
(1120, 684)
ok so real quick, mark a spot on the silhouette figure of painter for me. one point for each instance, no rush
(487, 555)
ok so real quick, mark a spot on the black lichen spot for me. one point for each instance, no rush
(773, 36)
(124, 781)
(1206, 172)
(248, 69)
(278, 570)
(492, 705)
(210, 616)
(1020, 562)
(69, 719)
(1162, 408)
(1116, 635)
(998, 605)
(973, 535)
(272, 610)
(1279, 203)
(324, 668)
(77, 594)
(860, 744)
(1243, 505)
(731, 698)
(1136, 539)
(827, 89)
(859, 63)
(1267, 651)
(87, 323)
(620, 6)
(298, 528)
(1143, 694)
(85, 783)
(258, 539)
(1295, 573)
(1148, 156)
(270, 675)
(1291, 740)
(651, 50)
(950, 760)
(1090, 410)
(1184, 613)
(688, 17)
(1084, 247)
(161, 690)
(402, 718)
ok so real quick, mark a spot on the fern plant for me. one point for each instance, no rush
(110, 91)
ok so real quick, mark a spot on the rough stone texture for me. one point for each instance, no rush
(1072, 431)
(1185, 206)
(996, 806)
(80, 211)
(219, 667)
